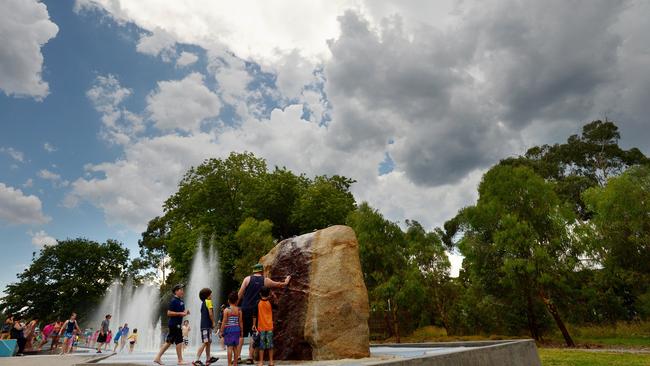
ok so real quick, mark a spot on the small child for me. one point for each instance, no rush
(133, 338)
(116, 340)
(232, 328)
(185, 328)
(207, 325)
(264, 324)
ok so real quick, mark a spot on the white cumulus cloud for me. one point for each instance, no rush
(182, 104)
(25, 26)
(18, 208)
(186, 59)
(41, 239)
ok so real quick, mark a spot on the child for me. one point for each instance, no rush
(207, 325)
(186, 333)
(68, 330)
(232, 328)
(264, 324)
(116, 340)
(132, 339)
(109, 337)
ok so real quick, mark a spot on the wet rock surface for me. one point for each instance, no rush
(323, 314)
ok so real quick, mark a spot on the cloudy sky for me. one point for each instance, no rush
(105, 103)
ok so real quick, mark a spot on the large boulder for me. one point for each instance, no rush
(323, 314)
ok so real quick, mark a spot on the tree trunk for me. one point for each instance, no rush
(532, 321)
(389, 326)
(396, 324)
(558, 320)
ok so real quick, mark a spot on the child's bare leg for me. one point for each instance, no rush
(207, 352)
(271, 357)
(198, 354)
(230, 351)
(261, 362)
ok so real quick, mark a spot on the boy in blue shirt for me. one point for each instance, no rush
(207, 325)
(175, 312)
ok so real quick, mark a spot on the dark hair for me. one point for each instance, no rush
(265, 291)
(233, 298)
(204, 293)
(108, 316)
(135, 330)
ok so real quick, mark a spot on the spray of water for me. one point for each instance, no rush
(205, 273)
(137, 306)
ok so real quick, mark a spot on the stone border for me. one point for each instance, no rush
(522, 352)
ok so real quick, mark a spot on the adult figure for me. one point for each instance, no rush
(18, 333)
(103, 332)
(175, 312)
(249, 296)
(68, 330)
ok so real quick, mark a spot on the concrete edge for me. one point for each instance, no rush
(450, 344)
(488, 354)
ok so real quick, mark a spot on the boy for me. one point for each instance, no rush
(264, 324)
(207, 325)
(175, 312)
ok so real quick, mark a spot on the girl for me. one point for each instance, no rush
(109, 337)
(68, 330)
(133, 338)
(232, 328)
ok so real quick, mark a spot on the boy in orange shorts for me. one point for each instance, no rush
(264, 324)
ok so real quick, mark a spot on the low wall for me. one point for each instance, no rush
(481, 353)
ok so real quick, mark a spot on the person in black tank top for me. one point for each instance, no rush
(249, 296)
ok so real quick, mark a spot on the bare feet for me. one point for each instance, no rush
(158, 362)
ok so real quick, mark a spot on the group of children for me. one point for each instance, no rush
(231, 327)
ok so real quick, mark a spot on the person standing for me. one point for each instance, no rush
(264, 324)
(186, 333)
(103, 332)
(108, 340)
(232, 331)
(6, 327)
(18, 333)
(249, 296)
(124, 336)
(207, 325)
(68, 330)
(116, 340)
(133, 339)
(175, 312)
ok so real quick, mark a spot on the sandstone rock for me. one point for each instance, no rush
(323, 314)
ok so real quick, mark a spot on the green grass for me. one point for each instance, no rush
(636, 334)
(567, 357)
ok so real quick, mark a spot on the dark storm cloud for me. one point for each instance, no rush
(458, 99)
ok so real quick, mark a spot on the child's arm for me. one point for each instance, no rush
(211, 317)
(223, 323)
(241, 326)
(65, 325)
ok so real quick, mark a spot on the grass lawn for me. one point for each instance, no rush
(568, 357)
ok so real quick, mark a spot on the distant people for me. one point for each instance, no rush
(109, 338)
(6, 327)
(56, 335)
(45, 335)
(264, 325)
(68, 330)
(88, 333)
(175, 312)
(116, 340)
(207, 326)
(30, 332)
(125, 335)
(232, 329)
(133, 339)
(103, 332)
(249, 296)
(17, 332)
(186, 333)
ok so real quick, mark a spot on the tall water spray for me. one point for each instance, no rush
(205, 273)
(139, 307)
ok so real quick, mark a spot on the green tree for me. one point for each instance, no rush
(581, 162)
(255, 240)
(70, 276)
(619, 232)
(516, 242)
(326, 202)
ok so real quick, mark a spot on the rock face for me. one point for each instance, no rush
(323, 314)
